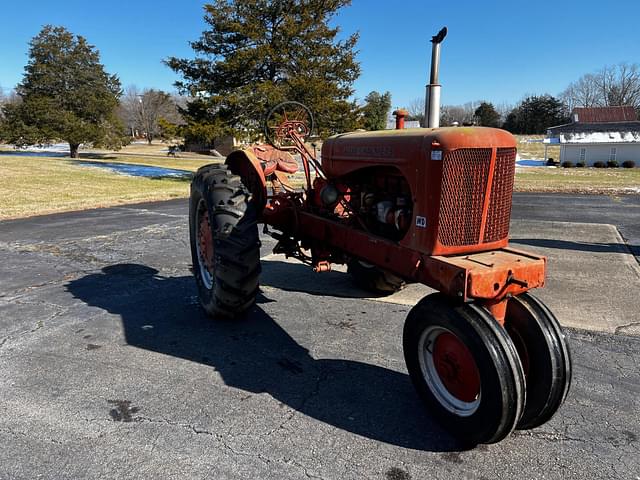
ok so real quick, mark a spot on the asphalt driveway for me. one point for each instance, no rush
(109, 369)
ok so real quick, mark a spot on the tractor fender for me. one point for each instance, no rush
(248, 166)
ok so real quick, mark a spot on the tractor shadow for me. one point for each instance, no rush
(257, 355)
(294, 276)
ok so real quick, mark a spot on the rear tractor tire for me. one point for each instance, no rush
(225, 247)
(373, 279)
(465, 368)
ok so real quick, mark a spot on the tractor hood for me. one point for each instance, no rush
(347, 152)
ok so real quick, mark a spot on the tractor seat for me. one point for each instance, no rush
(273, 159)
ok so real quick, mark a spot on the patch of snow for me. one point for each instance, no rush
(25, 153)
(45, 150)
(138, 170)
(531, 163)
(600, 137)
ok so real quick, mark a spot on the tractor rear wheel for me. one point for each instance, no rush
(465, 368)
(225, 247)
(373, 279)
(544, 354)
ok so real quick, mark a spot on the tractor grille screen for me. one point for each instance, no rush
(464, 183)
(499, 212)
(465, 176)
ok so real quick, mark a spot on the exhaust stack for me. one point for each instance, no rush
(432, 97)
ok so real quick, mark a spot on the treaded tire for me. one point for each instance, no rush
(497, 401)
(545, 355)
(373, 279)
(228, 287)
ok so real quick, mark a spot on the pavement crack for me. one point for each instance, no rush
(305, 470)
(147, 211)
(12, 432)
(620, 330)
(549, 436)
(186, 426)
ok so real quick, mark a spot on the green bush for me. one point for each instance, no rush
(599, 164)
(628, 164)
(612, 164)
(580, 164)
(567, 164)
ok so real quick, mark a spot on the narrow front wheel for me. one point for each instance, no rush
(465, 368)
(544, 354)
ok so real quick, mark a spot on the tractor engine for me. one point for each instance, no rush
(377, 200)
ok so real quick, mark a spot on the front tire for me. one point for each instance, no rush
(465, 368)
(544, 354)
(225, 247)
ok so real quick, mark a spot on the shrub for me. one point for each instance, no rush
(628, 164)
(599, 164)
(580, 164)
(551, 163)
(612, 164)
(567, 164)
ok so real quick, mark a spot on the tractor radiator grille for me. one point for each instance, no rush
(465, 174)
(464, 183)
(499, 212)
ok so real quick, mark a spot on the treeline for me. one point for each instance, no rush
(617, 85)
(251, 56)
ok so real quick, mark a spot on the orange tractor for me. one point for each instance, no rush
(429, 205)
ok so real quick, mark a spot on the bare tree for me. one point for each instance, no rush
(7, 97)
(504, 109)
(460, 114)
(142, 111)
(416, 110)
(620, 84)
(611, 86)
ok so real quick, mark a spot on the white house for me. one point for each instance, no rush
(599, 134)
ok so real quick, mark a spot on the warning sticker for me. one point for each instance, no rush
(436, 154)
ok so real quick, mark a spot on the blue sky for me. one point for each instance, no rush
(496, 50)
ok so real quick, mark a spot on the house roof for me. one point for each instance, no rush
(604, 114)
(580, 127)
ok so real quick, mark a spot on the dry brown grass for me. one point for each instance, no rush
(37, 185)
(535, 150)
(578, 180)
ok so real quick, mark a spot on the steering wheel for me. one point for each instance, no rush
(287, 122)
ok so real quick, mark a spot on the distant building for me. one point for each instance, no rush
(391, 123)
(598, 134)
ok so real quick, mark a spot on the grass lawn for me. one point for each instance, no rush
(39, 185)
(535, 150)
(578, 180)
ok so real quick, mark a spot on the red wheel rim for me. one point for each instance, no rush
(456, 367)
(205, 240)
